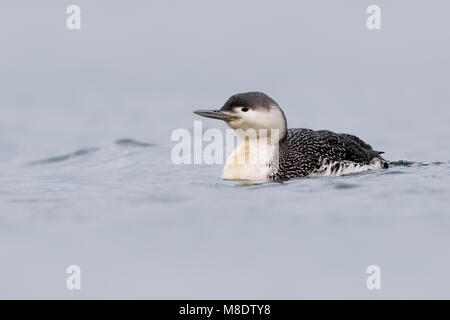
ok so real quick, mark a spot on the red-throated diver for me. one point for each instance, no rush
(295, 152)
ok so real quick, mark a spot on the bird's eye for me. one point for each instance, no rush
(244, 109)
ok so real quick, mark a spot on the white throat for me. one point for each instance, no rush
(253, 159)
(261, 130)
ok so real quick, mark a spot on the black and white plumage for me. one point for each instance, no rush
(305, 153)
(295, 152)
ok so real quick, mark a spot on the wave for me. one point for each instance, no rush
(78, 153)
(133, 143)
(406, 163)
(126, 142)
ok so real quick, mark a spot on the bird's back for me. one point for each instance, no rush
(306, 152)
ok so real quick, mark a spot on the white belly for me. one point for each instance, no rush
(249, 161)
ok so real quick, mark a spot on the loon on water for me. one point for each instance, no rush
(298, 152)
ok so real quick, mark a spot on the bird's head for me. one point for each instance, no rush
(251, 110)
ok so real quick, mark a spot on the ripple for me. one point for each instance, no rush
(402, 163)
(394, 172)
(133, 143)
(344, 186)
(78, 153)
(406, 163)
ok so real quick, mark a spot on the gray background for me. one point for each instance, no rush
(141, 227)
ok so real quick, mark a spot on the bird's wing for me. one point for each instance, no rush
(347, 147)
(363, 144)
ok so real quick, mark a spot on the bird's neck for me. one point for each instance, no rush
(265, 136)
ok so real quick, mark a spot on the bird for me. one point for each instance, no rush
(271, 151)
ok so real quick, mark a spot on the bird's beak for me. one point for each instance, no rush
(216, 114)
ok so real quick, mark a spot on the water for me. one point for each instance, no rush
(86, 176)
(142, 227)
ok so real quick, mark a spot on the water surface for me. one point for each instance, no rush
(86, 176)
